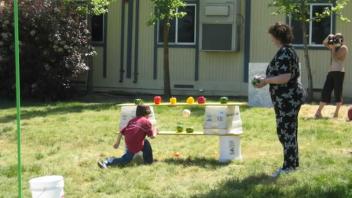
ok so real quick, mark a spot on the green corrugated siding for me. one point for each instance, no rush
(98, 67)
(219, 73)
(146, 42)
(262, 49)
(181, 64)
(113, 44)
(346, 30)
(112, 50)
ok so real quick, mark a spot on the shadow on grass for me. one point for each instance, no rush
(54, 110)
(246, 187)
(202, 162)
(263, 185)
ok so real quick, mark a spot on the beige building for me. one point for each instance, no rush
(210, 49)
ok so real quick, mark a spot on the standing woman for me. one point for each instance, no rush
(335, 77)
(287, 94)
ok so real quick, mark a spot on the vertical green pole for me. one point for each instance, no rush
(18, 97)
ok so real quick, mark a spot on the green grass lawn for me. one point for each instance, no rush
(67, 139)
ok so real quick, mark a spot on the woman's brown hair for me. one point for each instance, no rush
(281, 32)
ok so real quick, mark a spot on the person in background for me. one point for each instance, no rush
(335, 77)
(135, 139)
(287, 94)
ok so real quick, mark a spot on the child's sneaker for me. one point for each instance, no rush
(102, 165)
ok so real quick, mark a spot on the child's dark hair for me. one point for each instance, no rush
(142, 110)
(281, 32)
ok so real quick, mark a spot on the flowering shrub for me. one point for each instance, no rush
(54, 47)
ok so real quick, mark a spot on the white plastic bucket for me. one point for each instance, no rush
(47, 187)
(230, 148)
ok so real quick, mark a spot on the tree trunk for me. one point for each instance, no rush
(167, 87)
(307, 63)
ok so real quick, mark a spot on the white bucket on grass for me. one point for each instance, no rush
(47, 187)
(230, 148)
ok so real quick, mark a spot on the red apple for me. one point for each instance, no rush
(201, 100)
(349, 113)
(157, 100)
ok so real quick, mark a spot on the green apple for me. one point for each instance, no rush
(224, 100)
(189, 130)
(255, 82)
(179, 128)
(138, 101)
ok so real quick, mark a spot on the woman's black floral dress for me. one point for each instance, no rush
(287, 100)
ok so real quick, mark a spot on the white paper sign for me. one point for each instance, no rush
(222, 120)
(129, 112)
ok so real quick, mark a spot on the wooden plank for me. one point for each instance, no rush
(185, 104)
(194, 133)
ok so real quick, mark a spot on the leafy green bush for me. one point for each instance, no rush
(54, 47)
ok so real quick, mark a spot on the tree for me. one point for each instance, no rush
(299, 11)
(55, 46)
(166, 11)
(54, 49)
(91, 7)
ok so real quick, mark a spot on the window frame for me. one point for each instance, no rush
(310, 26)
(176, 43)
(99, 43)
(311, 22)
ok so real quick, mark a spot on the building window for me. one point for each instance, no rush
(182, 31)
(98, 28)
(317, 31)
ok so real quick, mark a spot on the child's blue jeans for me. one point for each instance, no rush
(128, 156)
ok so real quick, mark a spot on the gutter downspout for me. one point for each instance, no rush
(136, 44)
(247, 43)
(122, 53)
(129, 39)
